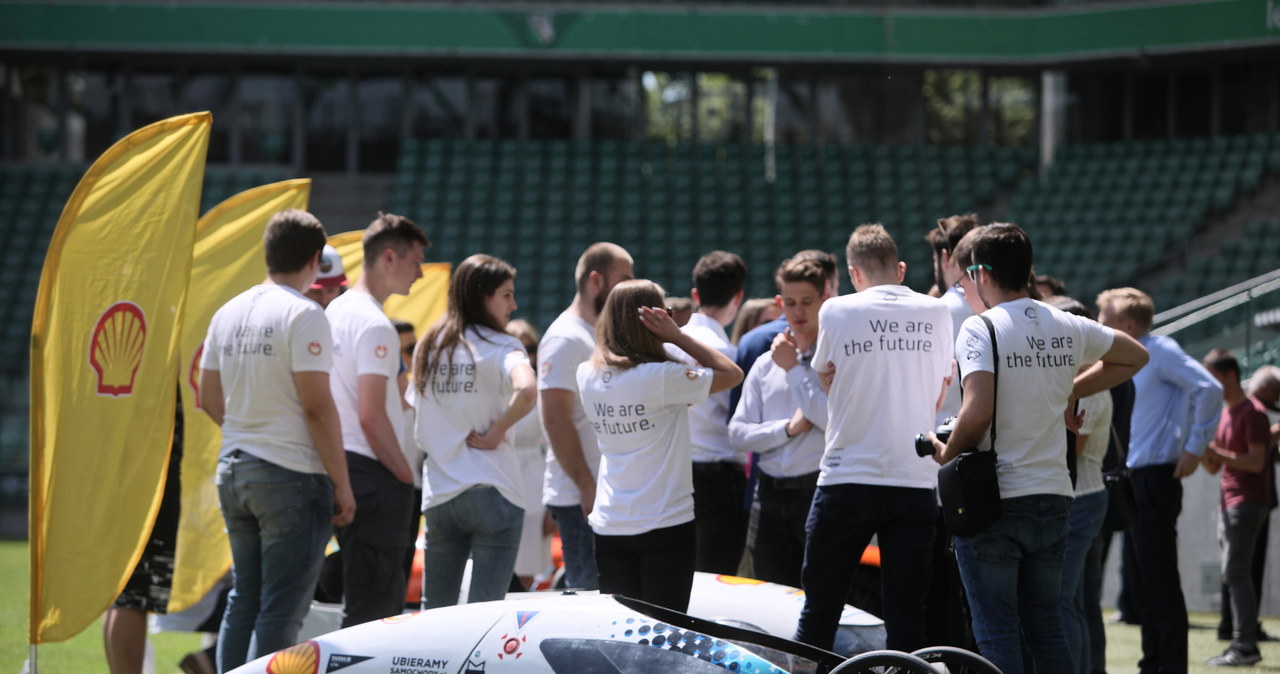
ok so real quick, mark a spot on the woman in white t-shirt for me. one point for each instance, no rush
(637, 399)
(472, 383)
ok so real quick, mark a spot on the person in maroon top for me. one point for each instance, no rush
(1239, 449)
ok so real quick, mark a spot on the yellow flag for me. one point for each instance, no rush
(228, 260)
(426, 299)
(104, 369)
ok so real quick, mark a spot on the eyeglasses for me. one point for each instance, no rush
(408, 350)
(972, 271)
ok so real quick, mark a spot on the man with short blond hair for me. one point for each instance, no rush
(1175, 415)
(883, 356)
(569, 484)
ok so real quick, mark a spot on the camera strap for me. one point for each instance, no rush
(995, 388)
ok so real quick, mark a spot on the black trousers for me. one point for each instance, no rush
(719, 515)
(374, 544)
(776, 535)
(1155, 542)
(656, 566)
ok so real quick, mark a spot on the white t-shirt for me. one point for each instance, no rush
(364, 342)
(1097, 410)
(471, 400)
(891, 348)
(1041, 350)
(708, 420)
(568, 342)
(641, 419)
(256, 342)
(959, 308)
(770, 396)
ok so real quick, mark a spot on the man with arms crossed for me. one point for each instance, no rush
(883, 356)
(265, 380)
(782, 417)
(1175, 415)
(569, 488)
(366, 361)
(1012, 570)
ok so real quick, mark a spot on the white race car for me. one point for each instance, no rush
(768, 608)
(545, 632)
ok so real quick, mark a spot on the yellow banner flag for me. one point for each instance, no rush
(104, 369)
(228, 260)
(427, 298)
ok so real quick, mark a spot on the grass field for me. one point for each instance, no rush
(83, 654)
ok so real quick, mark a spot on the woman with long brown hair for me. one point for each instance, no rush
(472, 383)
(638, 400)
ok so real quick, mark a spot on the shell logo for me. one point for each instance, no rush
(738, 580)
(193, 375)
(115, 350)
(303, 658)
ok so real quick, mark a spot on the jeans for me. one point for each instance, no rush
(776, 534)
(841, 522)
(1012, 574)
(719, 516)
(1085, 517)
(1238, 530)
(1092, 587)
(478, 523)
(578, 544)
(1159, 587)
(278, 523)
(1226, 625)
(656, 566)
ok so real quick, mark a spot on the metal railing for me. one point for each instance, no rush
(1237, 335)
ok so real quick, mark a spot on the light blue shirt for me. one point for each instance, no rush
(1175, 408)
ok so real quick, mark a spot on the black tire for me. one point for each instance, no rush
(957, 660)
(884, 662)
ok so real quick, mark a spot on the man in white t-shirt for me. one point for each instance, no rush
(1012, 571)
(569, 487)
(264, 378)
(883, 355)
(782, 417)
(719, 477)
(366, 362)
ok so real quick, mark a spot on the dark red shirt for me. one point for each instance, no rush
(1243, 424)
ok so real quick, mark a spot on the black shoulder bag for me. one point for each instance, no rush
(967, 485)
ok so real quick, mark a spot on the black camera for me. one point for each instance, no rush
(924, 446)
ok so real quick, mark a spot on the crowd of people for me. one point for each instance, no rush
(773, 437)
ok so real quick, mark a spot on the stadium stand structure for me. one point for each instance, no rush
(31, 201)
(539, 203)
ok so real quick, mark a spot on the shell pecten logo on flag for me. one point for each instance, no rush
(303, 658)
(115, 350)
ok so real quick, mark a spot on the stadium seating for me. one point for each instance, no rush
(1107, 211)
(538, 204)
(31, 200)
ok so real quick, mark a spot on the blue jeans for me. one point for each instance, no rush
(278, 522)
(478, 523)
(841, 522)
(578, 543)
(1012, 574)
(1086, 516)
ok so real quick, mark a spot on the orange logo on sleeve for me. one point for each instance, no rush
(115, 350)
(314, 348)
(380, 351)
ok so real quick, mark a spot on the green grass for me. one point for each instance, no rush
(83, 654)
(1124, 647)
